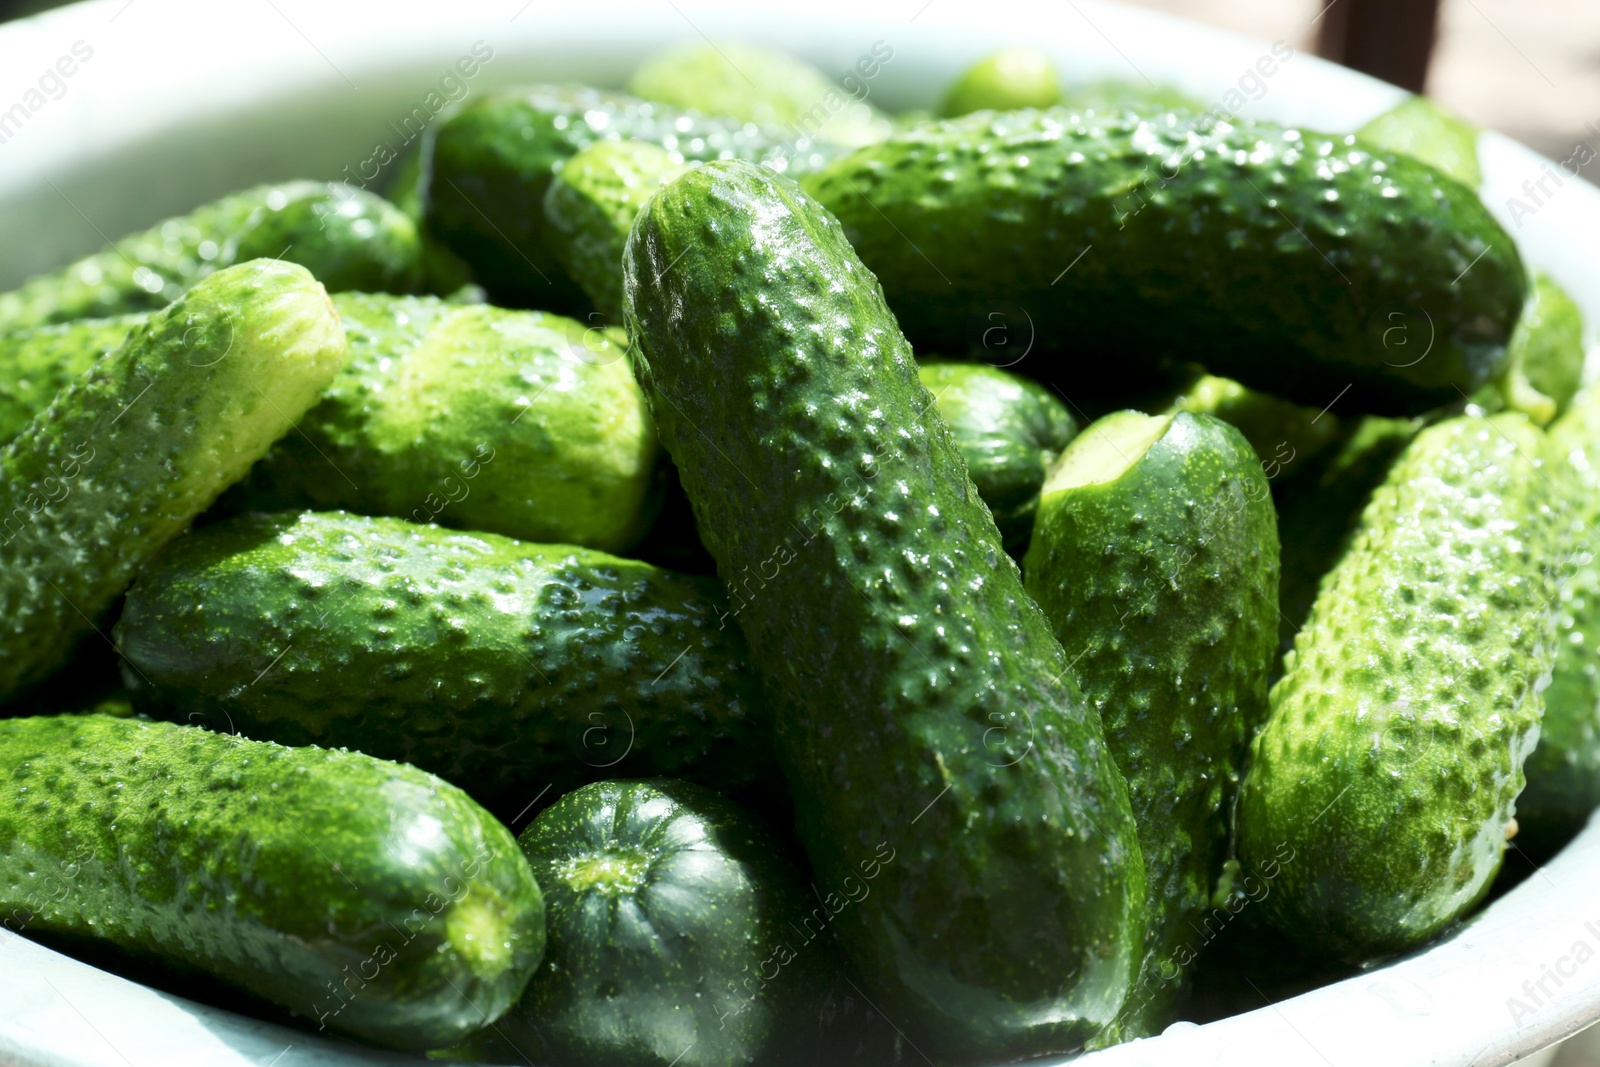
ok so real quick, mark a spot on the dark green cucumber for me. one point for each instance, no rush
(129, 453)
(519, 423)
(1009, 431)
(491, 164)
(365, 896)
(679, 934)
(1420, 128)
(1287, 438)
(37, 363)
(1294, 262)
(1155, 555)
(505, 667)
(591, 206)
(921, 703)
(1006, 80)
(1393, 752)
(1564, 771)
(348, 238)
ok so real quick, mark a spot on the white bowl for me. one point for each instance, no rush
(181, 101)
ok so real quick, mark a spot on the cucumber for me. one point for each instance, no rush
(1394, 747)
(505, 667)
(1293, 262)
(38, 362)
(492, 161)
(1006, 80)
(128, 454)
(767, 87)
(1155, 556)
(919, 698)
(520, 423)
(1008, 430)
(362, 895)
(1548, 344)
(348, 238)
(591, 206)
(679, 934)
(1287, 438)
(1419, 128)
(1564, 771)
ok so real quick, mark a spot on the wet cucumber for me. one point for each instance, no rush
(921, 703)
(1284, 259)
(1155, 556)
(505, 667)
(125, 457)
(1394, 748)
(346, 237)
(492, 162)
(678, 934)
(519, 423)
(365, 896)
(39, 362)
(1008, 430)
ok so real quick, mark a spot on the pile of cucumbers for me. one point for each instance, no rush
(907, 578)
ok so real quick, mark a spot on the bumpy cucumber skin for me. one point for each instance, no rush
(519, 423)
(675, 934)
(127, 455)
(1394, 748)
(1004, 81)
(1289, 259)
(1009, 430)
(503, 666)
(493, 161)
(1564, 771)
(348, 238)
(366, 896)
(1163, 586)
(920, 699)
(591, 206)
(1548, 343)
(1420, 128)
(761, 85)
(37, 363)
(1287, 438)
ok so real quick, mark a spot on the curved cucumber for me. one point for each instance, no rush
(513, 422)
(37, 363)
(348, 238)
(1291, 261)
(364, 895)
(921, 702)
(133, 450)
(505, 667)
(1155, 555)
(1394, 748)
(591, 206)
(678, 934)
(493, 160)
(1008, 430)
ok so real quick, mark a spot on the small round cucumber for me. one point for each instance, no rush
(519, 423)
(679, 933)
(128, 454)
(1004, 81)
(347, 237)
(366, 896)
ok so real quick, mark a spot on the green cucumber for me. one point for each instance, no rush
(365, 896)
(505, 667)
(919, 697)
(1004, 81)
(1155, 556)
(767, 87)
(492, 162)
(1008, 430)
(679, 934)
(1564, 771)
(591, 206)
(1548, 344)
(348, 238)
(39, 362)
(1287, 438)
(1294, 262)
(1419, 128)
(519, 423)
(1393, 752)
(129, 453)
